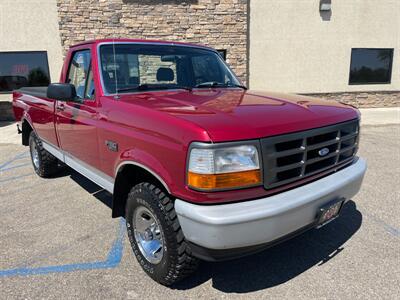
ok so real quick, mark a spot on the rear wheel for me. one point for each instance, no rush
(44, 163)
(155, 235)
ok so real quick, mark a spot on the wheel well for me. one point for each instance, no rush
(26, 131)
(127, 177)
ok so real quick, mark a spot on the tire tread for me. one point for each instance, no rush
(48, 163)
(183, 262)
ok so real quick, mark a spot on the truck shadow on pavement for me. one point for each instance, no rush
(281, 263)
(6, 123)
(98, 192)
(269, 268)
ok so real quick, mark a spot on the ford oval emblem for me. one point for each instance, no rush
(323, 152)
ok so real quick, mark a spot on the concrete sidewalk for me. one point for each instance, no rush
(380, 116)
(369, 117)
(8, 133)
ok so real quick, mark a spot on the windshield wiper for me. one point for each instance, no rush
(127, 89)
(146, 87)
(188, 88)
(238, 85)
(218, 84)
(210, 84)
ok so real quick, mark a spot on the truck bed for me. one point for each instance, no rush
(40, 91)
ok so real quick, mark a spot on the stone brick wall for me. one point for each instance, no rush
(221, 24)
(364, 99)
(148, 67)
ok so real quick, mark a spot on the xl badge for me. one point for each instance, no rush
(323, 152)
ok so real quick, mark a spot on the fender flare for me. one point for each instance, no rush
(26, 117)
(132, 162)
(118, 202)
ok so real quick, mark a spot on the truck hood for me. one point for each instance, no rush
(234, 114)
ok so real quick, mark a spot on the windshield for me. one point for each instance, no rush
(132, 67)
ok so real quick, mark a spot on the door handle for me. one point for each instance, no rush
(61, 107)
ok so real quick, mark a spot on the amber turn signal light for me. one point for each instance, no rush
(224, 181)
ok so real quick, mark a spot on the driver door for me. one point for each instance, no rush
(76, 120)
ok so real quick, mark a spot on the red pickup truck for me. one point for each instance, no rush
(199, 166)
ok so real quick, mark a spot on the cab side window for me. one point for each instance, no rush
(80, 74)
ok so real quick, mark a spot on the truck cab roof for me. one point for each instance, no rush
(140, 41)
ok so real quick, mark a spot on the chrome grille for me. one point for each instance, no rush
(291, 157)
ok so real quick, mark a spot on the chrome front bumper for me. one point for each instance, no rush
(261, 221)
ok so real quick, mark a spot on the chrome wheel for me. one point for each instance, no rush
(148, 235)
(35, 155)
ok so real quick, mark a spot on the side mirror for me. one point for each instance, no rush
(61, 91)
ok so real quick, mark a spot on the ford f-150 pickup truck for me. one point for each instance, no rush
(199, 166)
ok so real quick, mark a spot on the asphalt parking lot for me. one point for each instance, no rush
(58, 240)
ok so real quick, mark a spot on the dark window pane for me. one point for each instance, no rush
(371, 66)
(19, 69)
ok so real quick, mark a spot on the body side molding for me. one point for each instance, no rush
(81, 167)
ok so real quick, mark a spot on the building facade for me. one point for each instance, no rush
(335, 49)
(350, 52)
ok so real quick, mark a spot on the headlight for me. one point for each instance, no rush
(223, 167)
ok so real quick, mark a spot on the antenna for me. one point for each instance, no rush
(115, 71)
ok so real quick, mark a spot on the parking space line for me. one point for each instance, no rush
(16, 177)
(18, 156)
(14, 167)
(388, 228)
(113, 259)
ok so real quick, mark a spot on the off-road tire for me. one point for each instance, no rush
(48, 164)
(177, 261)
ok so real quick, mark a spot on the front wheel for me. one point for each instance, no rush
(155, 235)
